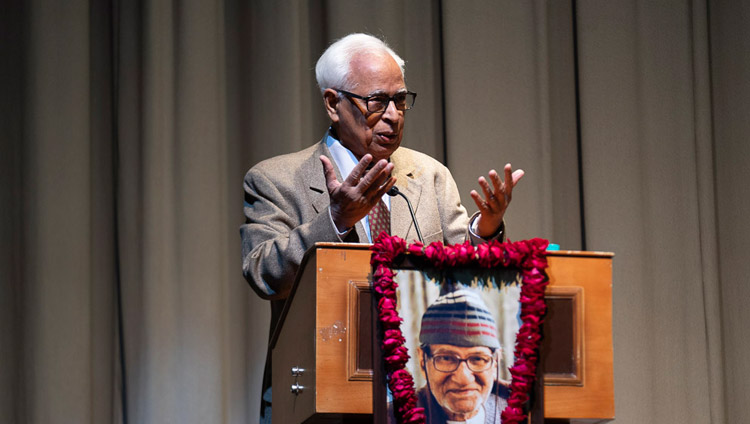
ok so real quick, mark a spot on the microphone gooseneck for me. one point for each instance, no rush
(394, 191)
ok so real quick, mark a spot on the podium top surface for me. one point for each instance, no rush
(367, 246)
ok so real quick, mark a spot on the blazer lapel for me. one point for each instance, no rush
(318, 191)
(313, 172)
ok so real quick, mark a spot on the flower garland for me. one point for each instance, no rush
(527, 256)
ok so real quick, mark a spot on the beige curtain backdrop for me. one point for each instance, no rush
(127, 127)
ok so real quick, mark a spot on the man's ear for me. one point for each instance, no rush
(420, 355)
(331, 101)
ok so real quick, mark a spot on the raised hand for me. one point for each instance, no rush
(362, 189)
(496, 199)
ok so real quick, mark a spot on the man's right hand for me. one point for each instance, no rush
(352, 199)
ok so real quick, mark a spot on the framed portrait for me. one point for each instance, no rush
(459, 330)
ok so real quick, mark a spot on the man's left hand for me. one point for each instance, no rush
(496, 199)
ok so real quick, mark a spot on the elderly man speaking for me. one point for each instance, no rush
(458, 355)
(336, 189)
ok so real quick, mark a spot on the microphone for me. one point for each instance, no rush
(395, 192)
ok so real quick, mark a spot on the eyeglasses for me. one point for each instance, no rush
(379, 102)
(449, 363)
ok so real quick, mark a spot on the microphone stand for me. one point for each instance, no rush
(394, 191)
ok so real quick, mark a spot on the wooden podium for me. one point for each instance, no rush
(322, 346)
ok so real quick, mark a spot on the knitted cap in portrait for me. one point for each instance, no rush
(459, 318)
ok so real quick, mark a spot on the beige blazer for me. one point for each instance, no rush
(286, 212)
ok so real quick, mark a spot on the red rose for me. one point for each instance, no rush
(483, 255)
(402, 375)
(386, 303)
(538, 260)
(383, 271)
(415, 416)
(538, 244)
(520, 385)
(520, 398)
(525, 350)
(397, 359)
(391, 343)
(529, 296)
(464, 253)
(392, 244)
(535, 308)
(513, 255)
(522, 370)
(394, 334)
(449, 256)
(385, 291)
(416, 248)
(434, 252)
(389, 318)
(490, 254)
(512, 415)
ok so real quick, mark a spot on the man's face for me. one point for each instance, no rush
(462, 392)
(358, 129)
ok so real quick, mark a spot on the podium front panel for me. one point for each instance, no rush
(321, 334)
(321, 338)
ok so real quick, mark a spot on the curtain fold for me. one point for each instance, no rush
(647, 158)
(127, 128)
(707, 229)
(730, 94)
(187, 325)
(12, 71)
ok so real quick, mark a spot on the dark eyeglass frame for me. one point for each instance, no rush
(459, 360)
(381, 97)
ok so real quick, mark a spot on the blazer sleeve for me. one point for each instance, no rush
(455, 222)
(280, 226)
(453, 218)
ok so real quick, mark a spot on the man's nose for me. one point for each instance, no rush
(463, 374)
(391, 112)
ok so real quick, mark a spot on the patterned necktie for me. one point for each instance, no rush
(380, 220)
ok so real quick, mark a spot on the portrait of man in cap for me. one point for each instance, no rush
(459, 355)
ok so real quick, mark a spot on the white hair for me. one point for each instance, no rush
(333, 67)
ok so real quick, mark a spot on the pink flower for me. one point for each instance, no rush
(402, 375)
(435, 253)
(490, 254)
(520, 385)
(392, 244)
(394, 335)
(525, 350)
(386, 291)
(464, 253)
(538, 244)
(414, 416)
(387, 303)
(534, 308)
(383, 271)
(513, 415)
(416, 248)
(449, 256)
(523, 370)
(389, 318)
(397, 358)
(513, 255)
(483, 255)
(538, 261)
(519, 397)
(390, 344)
